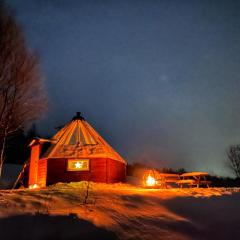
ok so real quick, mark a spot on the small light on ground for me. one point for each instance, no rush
(34, 186)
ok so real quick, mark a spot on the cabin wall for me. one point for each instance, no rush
(116, 171)
(42, 172)
(101, 170)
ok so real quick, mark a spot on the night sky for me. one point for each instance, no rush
(159, 80)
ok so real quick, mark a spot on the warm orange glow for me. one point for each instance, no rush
(78, 165)
(33, 167)
(34, 186)
(150, 181)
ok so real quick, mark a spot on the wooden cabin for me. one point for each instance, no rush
(75, 153)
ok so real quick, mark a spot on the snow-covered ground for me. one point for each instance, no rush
(119, 211)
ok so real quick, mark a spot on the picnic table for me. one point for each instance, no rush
(194, 179)
(164, 179)
(159, 180)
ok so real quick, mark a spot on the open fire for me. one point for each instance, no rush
(150, 181)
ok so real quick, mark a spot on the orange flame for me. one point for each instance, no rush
(150, 181)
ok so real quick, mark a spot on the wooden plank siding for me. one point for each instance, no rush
(42, 172)
(101, 170)
(116, 171)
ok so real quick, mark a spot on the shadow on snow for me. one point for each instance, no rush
(40, 226)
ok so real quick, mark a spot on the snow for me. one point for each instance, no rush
(119, 211)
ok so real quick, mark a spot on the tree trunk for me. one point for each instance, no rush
(6, 132)
(2, 156)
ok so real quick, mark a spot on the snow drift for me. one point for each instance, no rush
(119, 211)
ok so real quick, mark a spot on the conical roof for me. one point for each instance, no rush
(78, 139)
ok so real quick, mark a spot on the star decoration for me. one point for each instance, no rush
(78, 165)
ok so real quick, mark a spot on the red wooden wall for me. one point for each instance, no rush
(101, 170)
(42, 172)
(116, 171)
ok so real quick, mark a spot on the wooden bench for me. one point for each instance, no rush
(164, 179)
(189, 182)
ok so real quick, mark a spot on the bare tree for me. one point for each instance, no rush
(234, 157)
(22, 98)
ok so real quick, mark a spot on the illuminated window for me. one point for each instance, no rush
(78, 165)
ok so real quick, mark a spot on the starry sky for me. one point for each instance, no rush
(159, 80)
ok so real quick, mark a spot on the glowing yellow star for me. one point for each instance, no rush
(78, 165)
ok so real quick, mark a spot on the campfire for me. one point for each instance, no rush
(150, 181)
(150, 178)
(155, 179)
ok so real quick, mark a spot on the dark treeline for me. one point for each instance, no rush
(224, 181)
(18, 150)
(135, 169)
